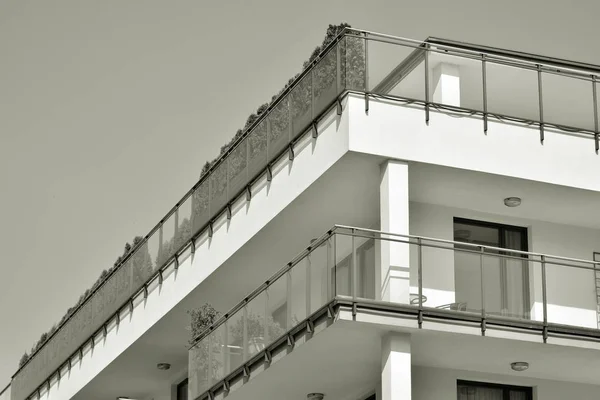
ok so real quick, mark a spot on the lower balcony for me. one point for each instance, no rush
(352, 286)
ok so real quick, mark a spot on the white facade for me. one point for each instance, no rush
(407, 181)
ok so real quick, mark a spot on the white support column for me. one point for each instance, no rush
(446, 79)
(393, 274)
(396, 382)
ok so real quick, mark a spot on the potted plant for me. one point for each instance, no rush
(201, 319)
(255, 328)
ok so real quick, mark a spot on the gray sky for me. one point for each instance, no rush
(109, 108)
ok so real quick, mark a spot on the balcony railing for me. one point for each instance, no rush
(342, 266)
(546, 93)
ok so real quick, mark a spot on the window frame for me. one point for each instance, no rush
(505, 388)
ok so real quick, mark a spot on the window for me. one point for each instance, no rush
(467, 390)
(505, 279)
(182, 390)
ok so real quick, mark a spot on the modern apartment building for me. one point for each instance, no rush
(408, 220)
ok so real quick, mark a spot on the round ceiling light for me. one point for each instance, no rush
(315, 396)
(163, 366)
(519, 366)
(512, 201)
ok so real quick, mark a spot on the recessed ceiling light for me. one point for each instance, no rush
(512, 201)
(519, 366)
(163, 366)
(124, 398)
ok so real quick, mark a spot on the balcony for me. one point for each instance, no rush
(342, 268)
(552, 96)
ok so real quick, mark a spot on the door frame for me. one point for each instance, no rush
(503, 269)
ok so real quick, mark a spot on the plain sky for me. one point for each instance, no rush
(109, 109)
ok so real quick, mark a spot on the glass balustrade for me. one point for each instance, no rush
(462, 279)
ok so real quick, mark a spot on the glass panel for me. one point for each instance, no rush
(184, 223)
(218, 187)
(325, 81)
(515, 273)
(141, 265)
(238, 171)
(153, 248)
(104, 301)
(301, 105)
(198, 367)
(277, 306)
(391, 70)
(365, 264)
(166, 240)
(234, 345)
(318, 277)
(455, 81)
(255, 326)
(257, 149)
(512, 91)
(568, 101)
(571, 294)
(200, 207)
(467, 280)
(216, 354)
(353, 69)
(82, 324)
(298, 297)
(343, 265)
(279, 126)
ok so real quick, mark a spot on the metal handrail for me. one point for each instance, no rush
(477, 246)
(354, 232)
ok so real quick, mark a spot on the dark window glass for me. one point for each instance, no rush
(487, 391)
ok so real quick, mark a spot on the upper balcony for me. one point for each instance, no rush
(554, 99)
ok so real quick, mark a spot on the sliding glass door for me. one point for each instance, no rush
(505, 278)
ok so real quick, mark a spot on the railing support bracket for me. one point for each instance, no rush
(269, 173)
(248, 193)
(339, 106)
(229, 211)
(367, 103)
(291, 154)
(268, 356)
(483, 326)
(315, 131)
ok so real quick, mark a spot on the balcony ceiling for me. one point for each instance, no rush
(484, 192)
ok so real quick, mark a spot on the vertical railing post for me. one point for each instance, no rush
(308, 281)
(289, 298)
(541, 103)
(481, 269)
(328, 268)
(245, 333)
(366, 80)
(266, 318)
(210, 358)
(176, 227)
(160, 243)
(484, 82)
(596, 130)
(544, 299)
(426, 83)
(420, 279)
(353, 267)
(334, 280)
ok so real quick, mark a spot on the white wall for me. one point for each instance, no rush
(571, 293)
(440, 384)
(289, 180)
(392, 131)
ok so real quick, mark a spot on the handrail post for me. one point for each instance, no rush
(420, 279)
(596, 130)
(484, 84)
(544, 299)
(541, 104)
(481, 269)
(354, 266)
(426, 83)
